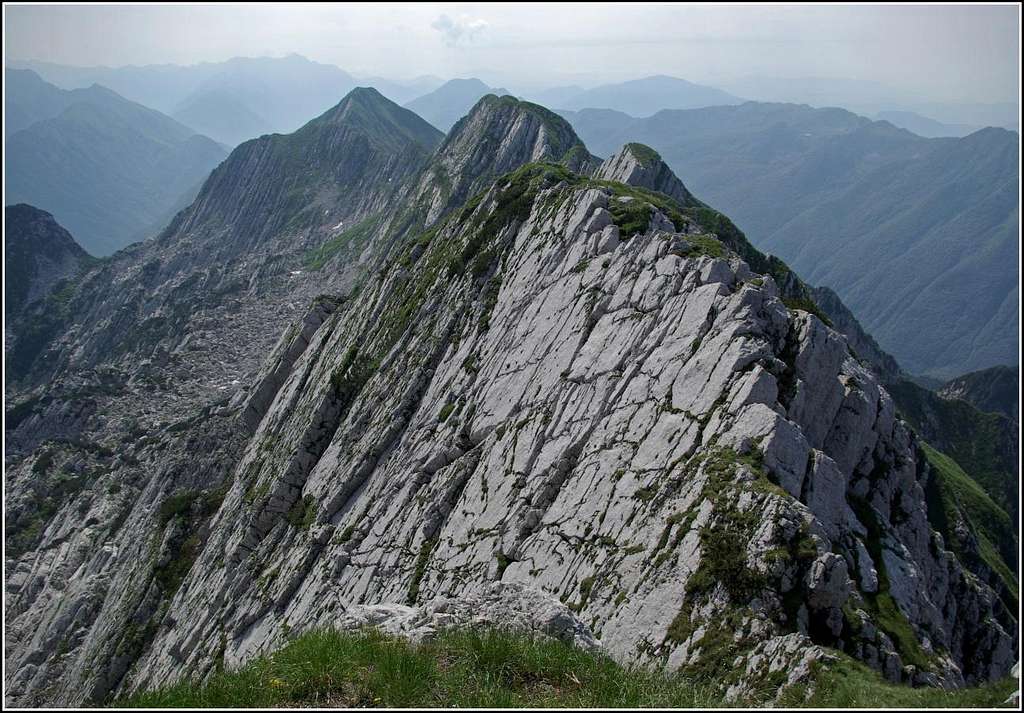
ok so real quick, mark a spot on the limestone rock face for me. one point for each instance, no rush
(883, 363)
(639, 165)
(637, 430)
(550, 406)
(508, 606)
(499, 135)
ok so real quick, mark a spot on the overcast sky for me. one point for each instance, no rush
(944, 53)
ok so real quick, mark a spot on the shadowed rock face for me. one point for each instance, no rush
(564, 385)
(38, 253)
(42, 263)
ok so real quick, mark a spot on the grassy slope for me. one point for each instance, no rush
(497, 669)
(850, 684)
(981, 443)
(960, 497)
(482, 669)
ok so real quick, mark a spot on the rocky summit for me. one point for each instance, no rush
(374, 376)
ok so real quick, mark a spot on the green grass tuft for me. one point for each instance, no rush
(953, 494)
(468, 668)
(846, 683)
(498, 669)
(356, 235)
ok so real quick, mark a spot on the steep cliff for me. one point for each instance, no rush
(541, 379)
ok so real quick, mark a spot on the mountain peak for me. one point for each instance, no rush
(498, 135)
(366, 109)
(466, 82)
(338, 165)
(365, 94)
(24, 214)
(640, 165)
(553, 138)
(358, 96)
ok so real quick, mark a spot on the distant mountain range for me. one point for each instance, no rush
(917, 236)
(451, 101)
(807, 183)
(639, 97)
(235, 100)
(923, 126)
(870, 98)
(647, 96)
(110, 170)
(271, 96)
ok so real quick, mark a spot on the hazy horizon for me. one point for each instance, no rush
(962, 54)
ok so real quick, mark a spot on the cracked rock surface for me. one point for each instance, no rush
(631, 415)
(566, 404)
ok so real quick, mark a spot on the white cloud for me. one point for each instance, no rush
(460, 30)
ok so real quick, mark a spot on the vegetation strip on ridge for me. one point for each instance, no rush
(495, 668)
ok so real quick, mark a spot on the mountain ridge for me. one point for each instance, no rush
(836, 191)
(533, 376)
(273, 94)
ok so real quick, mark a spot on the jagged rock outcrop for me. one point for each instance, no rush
(984, 445)
(639, 165)
(577, 388)
(862, 343)
(500, 605)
